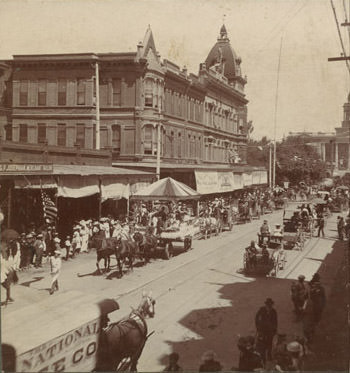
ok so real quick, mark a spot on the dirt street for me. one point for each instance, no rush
(203, 300)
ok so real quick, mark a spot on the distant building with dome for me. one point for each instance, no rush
(333, 147)
(52, 103)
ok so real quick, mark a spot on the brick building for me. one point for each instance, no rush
(127, 103)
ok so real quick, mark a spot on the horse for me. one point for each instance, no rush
(122, 342)
(105, 247)
(147, 243)
(208, 225)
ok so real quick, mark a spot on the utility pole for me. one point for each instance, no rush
(158, 144)
(97, 129)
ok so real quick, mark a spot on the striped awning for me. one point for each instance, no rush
(166, 189)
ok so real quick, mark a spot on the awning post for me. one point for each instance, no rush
(99, 198)
(9, 205)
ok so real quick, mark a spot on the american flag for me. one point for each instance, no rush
(49, 207)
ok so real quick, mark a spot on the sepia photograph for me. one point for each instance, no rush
(175, 185)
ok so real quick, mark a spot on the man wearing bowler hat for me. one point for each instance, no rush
(266, 326)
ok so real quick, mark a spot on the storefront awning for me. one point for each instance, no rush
(110, 190)
(77, 186)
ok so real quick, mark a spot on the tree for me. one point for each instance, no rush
(298, 161)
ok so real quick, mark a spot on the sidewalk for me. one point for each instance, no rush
(332, 344)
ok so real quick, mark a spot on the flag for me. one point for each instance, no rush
(49, 208)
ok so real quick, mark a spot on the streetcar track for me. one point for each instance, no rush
(298, 259)
(183, 265)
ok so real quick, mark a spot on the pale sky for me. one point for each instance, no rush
(311, 89)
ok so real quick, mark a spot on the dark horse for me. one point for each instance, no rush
(105, 247)
(123, 342)
(147, 243)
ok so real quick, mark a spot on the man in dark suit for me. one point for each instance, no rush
(266, 323)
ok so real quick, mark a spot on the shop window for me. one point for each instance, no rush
(23, 93)
(62, 92)
(61, 134)
(116, 87)
(42, 92)
(23, 133)
(81, 92)
(148, 139)
(41, 133)
(80, 135)
(116, 138)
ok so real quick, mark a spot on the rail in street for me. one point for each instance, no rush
(204, 301)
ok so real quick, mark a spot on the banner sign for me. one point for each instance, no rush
(225, 181)
(238, 181)
(207, 182)
(25, 168)
(256, 177)
(263, 177)
(247, 179)
(71, 352)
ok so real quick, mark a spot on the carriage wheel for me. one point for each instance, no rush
(187, 243)
(168, 250)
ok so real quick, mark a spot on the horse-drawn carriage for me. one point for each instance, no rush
(265, 261)
(244, 212)
(149, 245)
(293, 230)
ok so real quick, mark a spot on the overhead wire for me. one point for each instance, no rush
(340, 35)
(278, 31)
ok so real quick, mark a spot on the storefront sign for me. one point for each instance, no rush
(74, 351)
(263, 177)
(25, 168)
(247, 179)
(226, 181)
(207, 182)
(256, 177)
(238, 181)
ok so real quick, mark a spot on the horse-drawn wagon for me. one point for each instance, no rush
(184, 234)
(265, 261)
(71, 333)
(293, 231)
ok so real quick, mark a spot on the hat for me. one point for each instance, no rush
(96, 223)
(265, 221)
(269, 301)
(58, 252)
(57, 240)
(39, 235)
(23, 234)
(209, 355)
(301, 277)
(294, 347)
(29, 235)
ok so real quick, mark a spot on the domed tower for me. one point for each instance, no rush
(224, 59)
